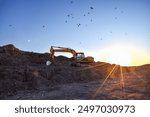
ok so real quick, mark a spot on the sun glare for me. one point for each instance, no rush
(124, 55)
(120, 57)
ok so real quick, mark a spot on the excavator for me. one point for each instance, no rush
(79, 57)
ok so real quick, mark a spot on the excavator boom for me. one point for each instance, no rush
(61, 49)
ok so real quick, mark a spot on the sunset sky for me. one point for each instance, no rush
(108, 30)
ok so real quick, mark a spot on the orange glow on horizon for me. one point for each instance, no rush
(124, 56)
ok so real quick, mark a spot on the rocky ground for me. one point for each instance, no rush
(24, 75)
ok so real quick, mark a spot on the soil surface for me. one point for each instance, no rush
(25, 76)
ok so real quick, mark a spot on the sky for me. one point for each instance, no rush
(99, 28)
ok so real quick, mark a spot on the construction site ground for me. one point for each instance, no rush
(25, 76)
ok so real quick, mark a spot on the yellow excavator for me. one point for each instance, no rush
(78, 56)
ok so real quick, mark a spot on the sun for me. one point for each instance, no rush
(120, 57)
(124, 55)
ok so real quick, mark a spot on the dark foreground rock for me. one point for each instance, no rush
(24, 75)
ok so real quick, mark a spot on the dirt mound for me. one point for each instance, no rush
(10, 55)
(62, 60)
(21, 71)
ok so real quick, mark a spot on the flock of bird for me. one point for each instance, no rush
(72, 17)
(91, 8)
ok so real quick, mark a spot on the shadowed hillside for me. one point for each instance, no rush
(24, 75)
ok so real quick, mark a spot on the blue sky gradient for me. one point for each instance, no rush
(35, 25)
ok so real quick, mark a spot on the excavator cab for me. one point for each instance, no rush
(80, 55)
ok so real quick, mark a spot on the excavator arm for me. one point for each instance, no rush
(54, 49)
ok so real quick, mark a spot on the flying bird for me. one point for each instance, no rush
(66, 21)
(78, 24)
(68, 15)
(71, 2)
(10, 25)
(91, 8)
(43, 26)
(88, 12)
